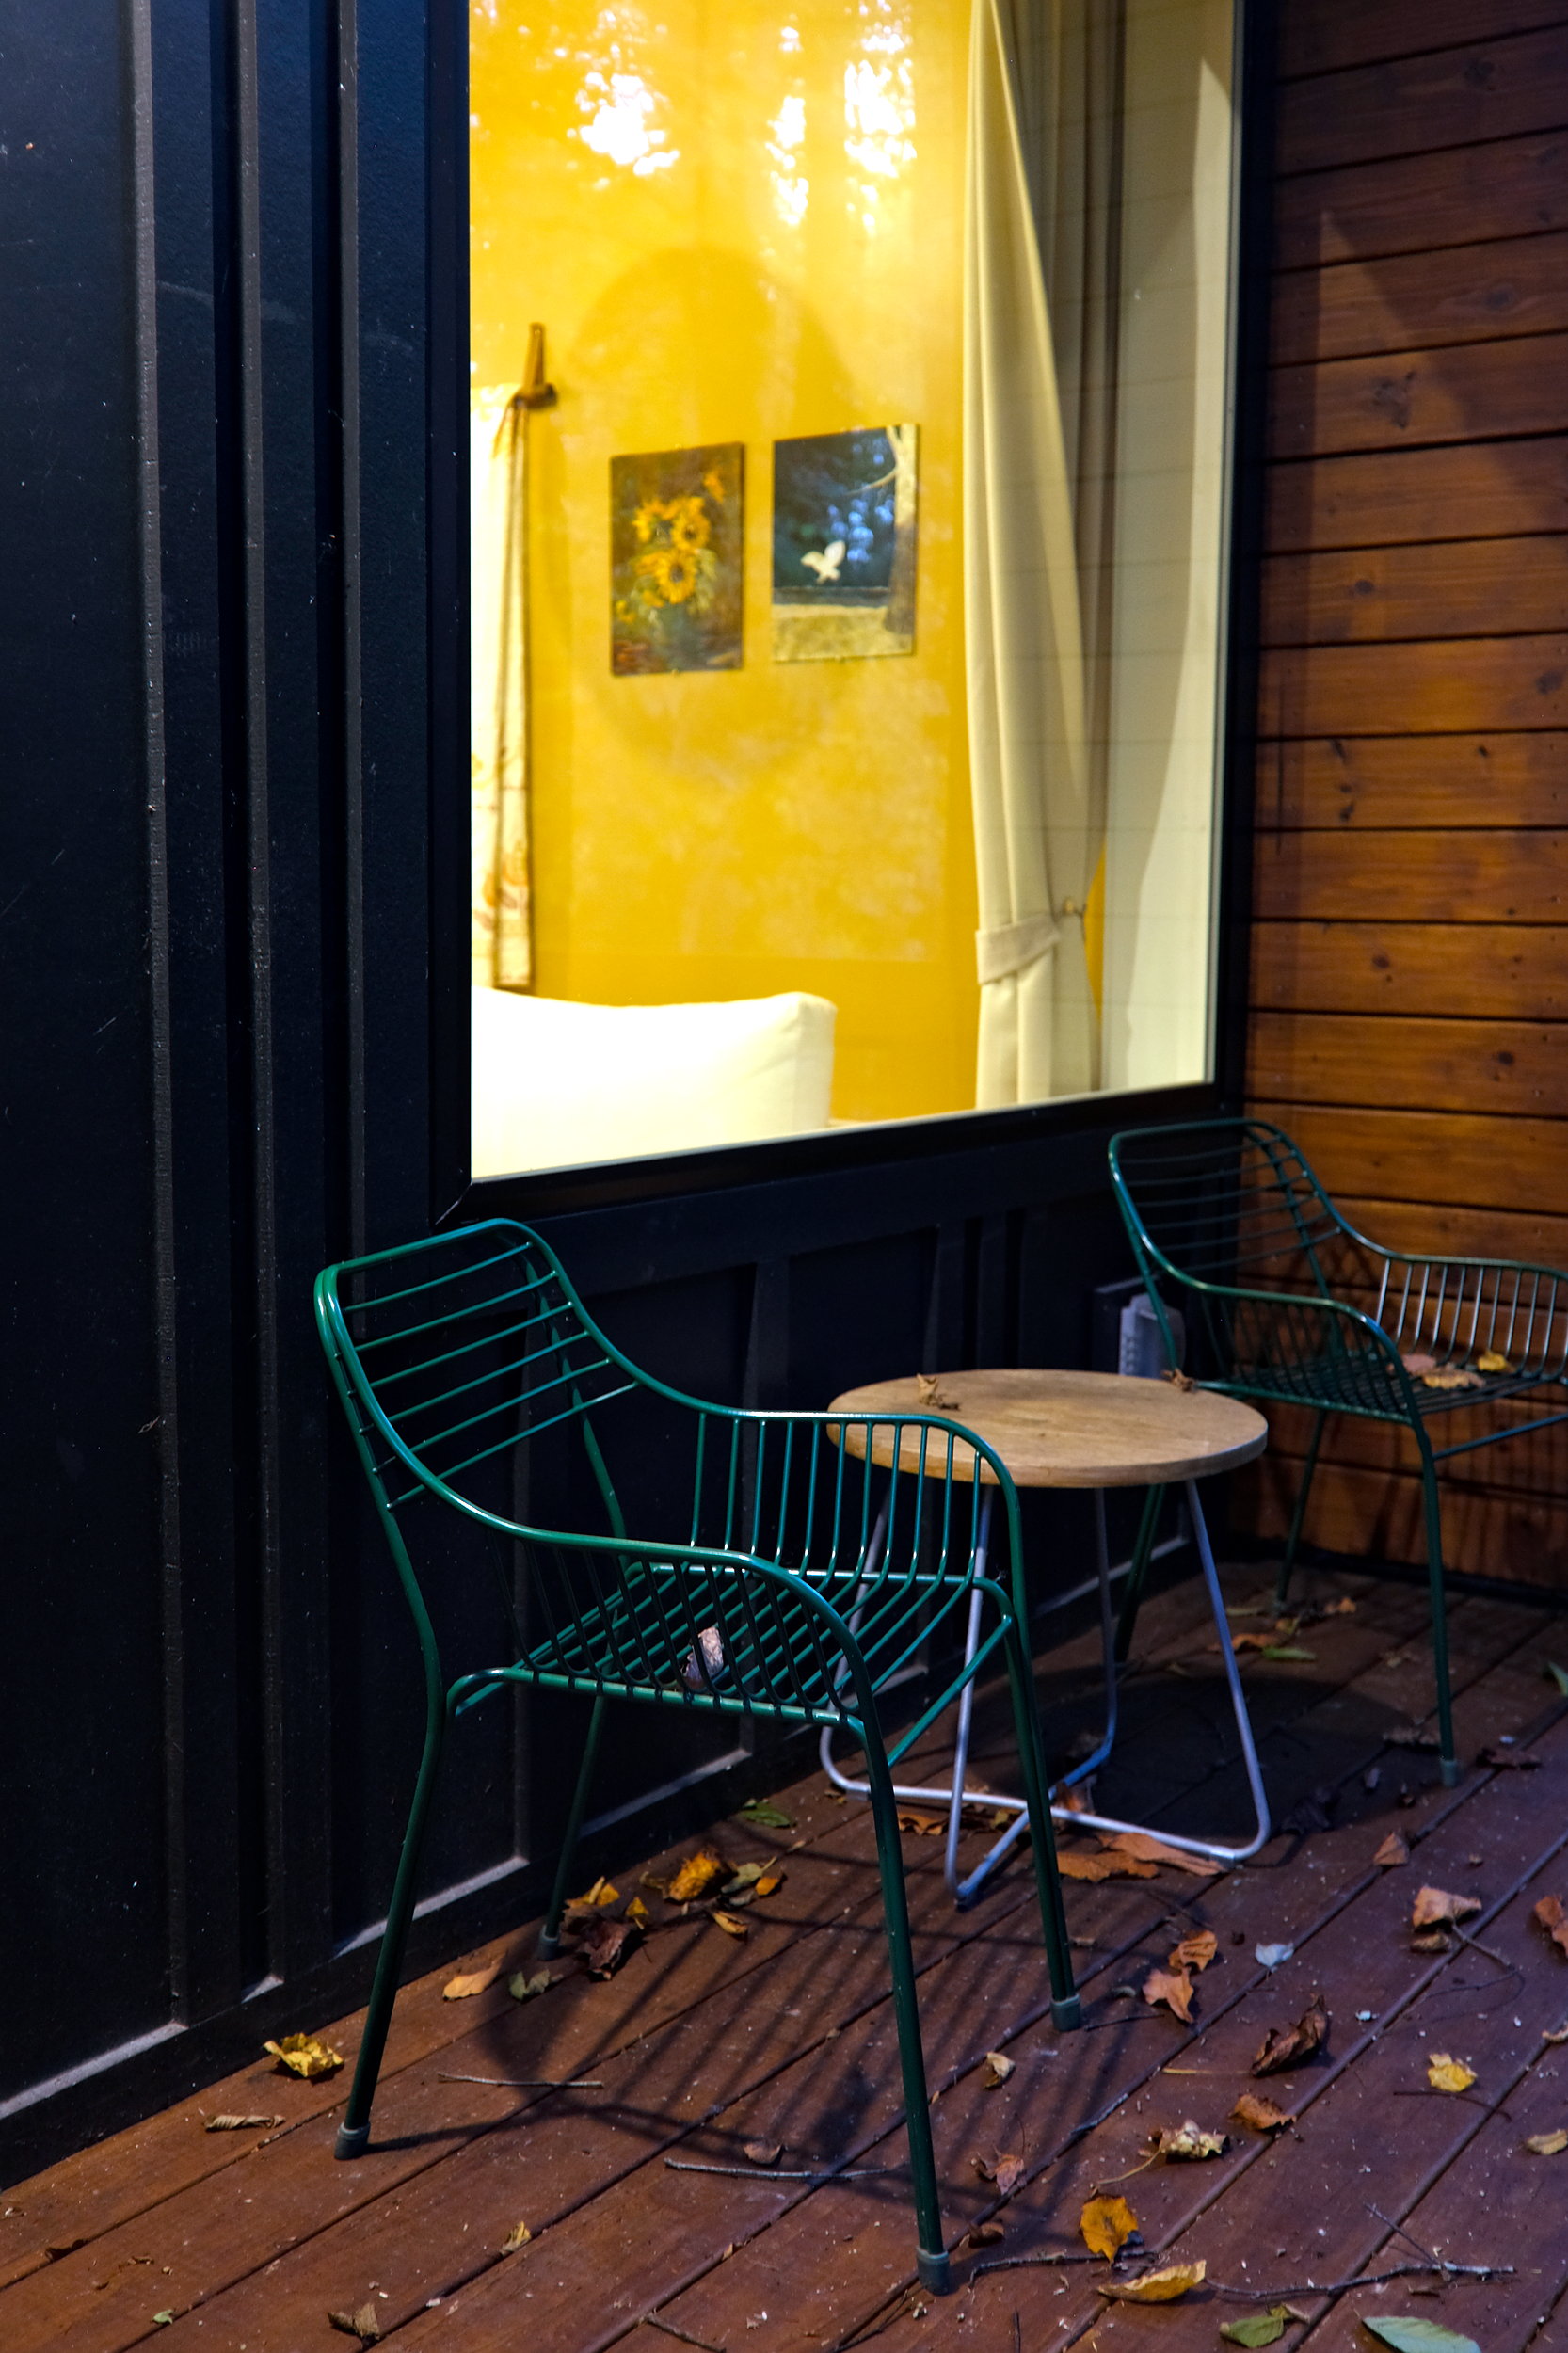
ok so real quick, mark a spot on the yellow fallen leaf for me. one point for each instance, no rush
(1547, 2144)
(463, 1988)
(1106, 2224)
(1492, 1362)
(732, 1924)
(1155, 2287)
(637, 1910)
(770, 1882)
(599, 1897)
(520, 2237)
(697, 1875)
(1449, 2074)
(304, 2056)
(1452, 1379)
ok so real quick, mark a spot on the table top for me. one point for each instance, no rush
(1065, 1429)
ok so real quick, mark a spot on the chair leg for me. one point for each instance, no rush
(549, 1935)
(353, 2132)
(1298, 1516)
(1065, 2008)
(1133, 1593)
(930, 2256)
(1449, 1756)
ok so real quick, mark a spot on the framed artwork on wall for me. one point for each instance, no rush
(677, 544)
(843, 544)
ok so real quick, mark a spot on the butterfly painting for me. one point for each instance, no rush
(843, 544)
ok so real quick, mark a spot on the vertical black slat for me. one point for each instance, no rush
(944, 1322)
(996, 1291)
(765, 1381)
(346, 131)
(201, 1709)
(1258, 34)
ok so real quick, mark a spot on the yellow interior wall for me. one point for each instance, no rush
(759, 236)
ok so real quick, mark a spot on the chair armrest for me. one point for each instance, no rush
(1460, 1307)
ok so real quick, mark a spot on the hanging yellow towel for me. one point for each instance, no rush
(1023, 627)
(500, 925)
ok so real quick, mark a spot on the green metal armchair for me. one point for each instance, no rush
(1286, 1304)
(790, 1582)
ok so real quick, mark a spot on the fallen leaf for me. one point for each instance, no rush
(732, 1923)
(304, 2056)
(997, 2068)
(980, 2234)
(520, 2237)
(1412, 1736)
(1257, 2327)
(1271, 1956)
(1194, 1951)
(600, 1896)
(1260, 2113)
(1435, 1904)
(697, 1875)
(746, 1876)
(239, 2123)
(361, 2322)
(1510, 1760)
(637, 1910)
(523, 1988)
(607, 1944)
(164, 2319)
(1173, 1987)
(1547, 2144)
(1143, 1849)
(771, 1882)
(766, 1815)
(1418, 2336)
(928, 1392)
(1250, 1642)
(1449, 2074)
(923, 1825)
(1155, 2287)
(1343, 1608)
(1393, 1852)
(1288, 2046)
(1552, 1917)
(1491, 1362)
(1106, 2224)
(1417, 1362)
(1433, 1940)
(1103, 1866)
(1187, 2141)
(1006, 2171)
(763, 2152)
(463, 1988)
(1287, 1650)
(1452, 1378)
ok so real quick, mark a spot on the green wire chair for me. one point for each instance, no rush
(1290, 1305)
(788, 1579)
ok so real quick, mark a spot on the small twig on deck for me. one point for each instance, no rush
(768, 2174)
(1398, 2228)
(530, 2082)
(651, 2320)
(1029, 2263)
(1366, 2280)
(1509, 1968)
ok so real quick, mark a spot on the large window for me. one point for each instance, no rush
(850, 386)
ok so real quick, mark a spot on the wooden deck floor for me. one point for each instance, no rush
(245, 2242)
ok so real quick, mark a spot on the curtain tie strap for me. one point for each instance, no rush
(1011, 946)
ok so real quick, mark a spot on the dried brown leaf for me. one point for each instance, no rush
(240, 2124)
(1547, 2144)
(1144, 1848)
(1194, 1951)
(1289, 2046)
(1449, 2074)
(1006, 2171)
(463, 1988)
(697, 1876)
(1393, 1852)
(1260, 2113)
(1551, 1916)
(997, 2068)
(1173, 1987)
(607, 1945)
(1503, 1760)
(923, 1825)
(362, 2323)
(516, 2238)
(1187, 2141)
(1106, 2224)
(1103, 1866)
(1410, 1736)
(1433, 1906)
(980, 2234)
(306, 2055)
(1155, 2287)
(763, 2152)
(1417, 1361)
(732, 1923)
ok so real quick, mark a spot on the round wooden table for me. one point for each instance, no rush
(1056, 1429)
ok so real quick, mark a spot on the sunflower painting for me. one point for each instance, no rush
(675, 559)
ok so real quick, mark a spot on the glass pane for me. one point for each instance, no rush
(849, 396)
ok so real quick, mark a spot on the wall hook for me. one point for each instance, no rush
(536, 392)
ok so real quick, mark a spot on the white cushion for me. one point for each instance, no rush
(556, 1083)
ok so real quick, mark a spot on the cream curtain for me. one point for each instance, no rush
(1040, 310)
(500, 929)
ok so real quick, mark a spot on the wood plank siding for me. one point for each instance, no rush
(1409, 983)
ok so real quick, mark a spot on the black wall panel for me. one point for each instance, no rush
(234, 973)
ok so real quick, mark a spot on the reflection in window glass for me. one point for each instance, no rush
(847, 559)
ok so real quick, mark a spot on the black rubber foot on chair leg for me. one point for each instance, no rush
(547, 1945)
(1452, 1772)
(1067, 2014)
(936, 2272)
(352, 2140)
